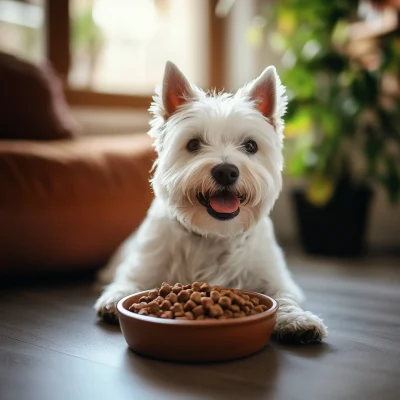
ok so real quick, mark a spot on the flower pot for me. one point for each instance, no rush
(337, 228)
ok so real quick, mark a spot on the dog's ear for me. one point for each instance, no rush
(264, 92)
(176, 89)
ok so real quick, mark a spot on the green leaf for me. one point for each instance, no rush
(301, 82)
(296, 166)
(300, 124)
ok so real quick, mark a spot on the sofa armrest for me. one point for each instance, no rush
(67, 205)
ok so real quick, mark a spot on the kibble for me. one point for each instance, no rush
(166, 305)
(177, 289)
(199, 310)
(225, 302)
(165, 289)
(139, 306)
(259, 309)
(177, 308)
(179, 314)
(255, 301)
(153, 294)
(167, 315)
(196, 286)
(189, 315)
(206, 302)
(214, 295)
(230, 294)
(190, 304)
(249, 304)
(198, 301)
(227, 314)
(235, 308)
(183, 296)
(153, 307)
(196, 297)
(205, 287)
(215, 311)
(172, 297)
(240, 300)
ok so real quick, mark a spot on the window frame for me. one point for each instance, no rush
(58, 52)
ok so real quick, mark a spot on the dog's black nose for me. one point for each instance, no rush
(225, 174)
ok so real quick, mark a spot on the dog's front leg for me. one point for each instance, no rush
(139, 272)
(143, 265)
(295, 325)
(106, 304)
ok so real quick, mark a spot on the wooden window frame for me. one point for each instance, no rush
(59, 54)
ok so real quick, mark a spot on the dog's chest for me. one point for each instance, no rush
(213, 260)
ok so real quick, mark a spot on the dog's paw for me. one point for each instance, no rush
(300, 327)
(106, 304)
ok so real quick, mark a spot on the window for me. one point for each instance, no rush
(121, 46)
(111, 53)
(22, 28)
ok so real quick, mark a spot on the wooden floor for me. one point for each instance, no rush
(52, 347)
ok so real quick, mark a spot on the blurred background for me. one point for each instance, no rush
(339, 60)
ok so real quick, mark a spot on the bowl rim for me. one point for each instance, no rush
(232, 321)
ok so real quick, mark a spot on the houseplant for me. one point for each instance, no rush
(343, 120)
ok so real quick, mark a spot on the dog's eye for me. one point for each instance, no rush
(250, 146)
(193, 145)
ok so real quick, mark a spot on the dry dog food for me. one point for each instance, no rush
(197, 301)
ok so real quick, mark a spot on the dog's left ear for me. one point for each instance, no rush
(176, 89)
(263, 92)
(268, 94)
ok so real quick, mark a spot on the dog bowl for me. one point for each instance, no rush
(196, 341)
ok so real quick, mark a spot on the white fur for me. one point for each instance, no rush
(179, 241)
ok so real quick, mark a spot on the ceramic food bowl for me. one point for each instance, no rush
(196, 341)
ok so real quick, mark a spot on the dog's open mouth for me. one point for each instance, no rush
(222, 205)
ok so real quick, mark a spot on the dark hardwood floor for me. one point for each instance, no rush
(52, 347)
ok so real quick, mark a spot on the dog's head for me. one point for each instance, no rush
(219, 155)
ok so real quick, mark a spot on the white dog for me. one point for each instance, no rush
(217, 177)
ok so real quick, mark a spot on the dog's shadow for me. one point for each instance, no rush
(256, 376)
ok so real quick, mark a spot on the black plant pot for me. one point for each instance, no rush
(337, 228)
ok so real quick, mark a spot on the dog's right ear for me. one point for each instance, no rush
(176, 89)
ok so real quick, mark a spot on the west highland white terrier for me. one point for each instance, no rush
(216, 179)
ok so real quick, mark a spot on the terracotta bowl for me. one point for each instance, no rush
(196, 341)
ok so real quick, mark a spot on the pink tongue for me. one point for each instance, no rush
(224, 204)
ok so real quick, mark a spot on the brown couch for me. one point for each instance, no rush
(68, 204)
